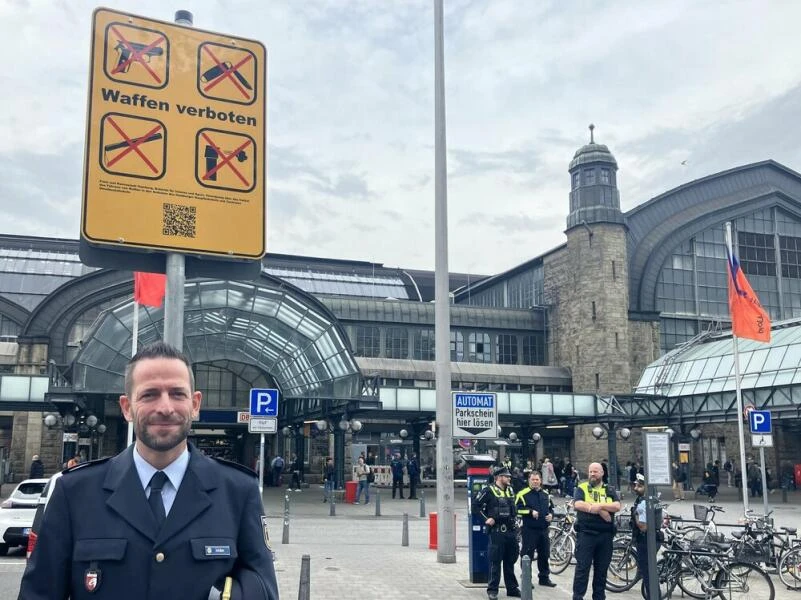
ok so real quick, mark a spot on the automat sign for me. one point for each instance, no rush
(475, 415)
(175, 142)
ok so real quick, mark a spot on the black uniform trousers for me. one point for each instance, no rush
(503, 550)
(593, 549)
(412, 487)
(642, 563)
(397, 484)
(537, 540)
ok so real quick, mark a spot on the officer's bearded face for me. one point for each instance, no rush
(162, 404)
(595, 474)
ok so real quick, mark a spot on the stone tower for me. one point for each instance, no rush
(592, 299)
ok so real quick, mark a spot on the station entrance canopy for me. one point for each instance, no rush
(270, 325)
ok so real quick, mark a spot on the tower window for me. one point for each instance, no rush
(597, 381)
(594, 314)
(614, 271)
(575, 180)
(605, 176)
(617, 341)
(589, 176)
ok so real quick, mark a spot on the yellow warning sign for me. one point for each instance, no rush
(132, 146)
(176, 135)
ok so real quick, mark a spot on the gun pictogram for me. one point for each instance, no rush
(123, 64)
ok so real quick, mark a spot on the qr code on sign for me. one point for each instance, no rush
(179, 220)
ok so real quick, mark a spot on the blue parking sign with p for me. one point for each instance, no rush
(263, 403)
(759, 421)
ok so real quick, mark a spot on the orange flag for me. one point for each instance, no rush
(748, 318)
(149, 288)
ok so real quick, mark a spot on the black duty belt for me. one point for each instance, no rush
(503, 528)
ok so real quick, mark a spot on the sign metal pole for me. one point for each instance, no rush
(261, 466)
(446, 532)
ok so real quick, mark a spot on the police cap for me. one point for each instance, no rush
(499, 471)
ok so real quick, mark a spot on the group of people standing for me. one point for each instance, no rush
(365, 476)
(596, 504)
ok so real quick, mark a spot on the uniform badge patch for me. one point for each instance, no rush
(91, 580)
(266, 531)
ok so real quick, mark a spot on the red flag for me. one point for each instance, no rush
(149, 288)
(748, 318)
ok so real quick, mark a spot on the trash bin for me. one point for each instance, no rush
(797, 474)
(350, 491)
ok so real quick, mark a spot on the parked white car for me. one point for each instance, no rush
(26, 494)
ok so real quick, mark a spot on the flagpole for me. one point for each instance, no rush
(739, 393)
(134, 344)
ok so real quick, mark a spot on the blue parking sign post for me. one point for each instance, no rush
(761, 428)
(264, 406)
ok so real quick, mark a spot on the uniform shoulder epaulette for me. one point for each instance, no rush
(235, 465)
(84, 465)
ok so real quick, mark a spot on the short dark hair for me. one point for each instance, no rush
(158, 349)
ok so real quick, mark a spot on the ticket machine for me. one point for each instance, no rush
(478, 475)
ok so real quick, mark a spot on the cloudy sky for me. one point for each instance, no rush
(351, 112)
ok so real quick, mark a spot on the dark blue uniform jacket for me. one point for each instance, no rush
(98, 524)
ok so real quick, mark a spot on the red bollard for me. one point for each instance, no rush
(432, 529)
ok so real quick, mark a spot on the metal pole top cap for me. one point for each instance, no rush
(184, 17)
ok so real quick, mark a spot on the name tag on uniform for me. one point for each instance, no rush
(218, 550)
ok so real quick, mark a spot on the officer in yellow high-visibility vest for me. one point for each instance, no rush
(596, 504)
(496, 505)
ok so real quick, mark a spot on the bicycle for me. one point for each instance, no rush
(718, 573)
(790, 567)
(562, 538)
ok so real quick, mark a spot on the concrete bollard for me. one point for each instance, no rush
(285, 533)
(784, 495)
(422, 504)
(377, 502)
(304, 590)
(332, 505)
(525, 579)
(405, 536)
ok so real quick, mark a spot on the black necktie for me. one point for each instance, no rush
(156, 503)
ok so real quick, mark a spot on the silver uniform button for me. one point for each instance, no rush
(159, 557)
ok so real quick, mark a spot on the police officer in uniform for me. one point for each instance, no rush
(535, 508)
(596, 504)
(496, 504)
(159, 520)
(639, 529)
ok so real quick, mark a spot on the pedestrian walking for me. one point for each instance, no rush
(596, 504)
(328, 480)
(37, 468)
(496, 505)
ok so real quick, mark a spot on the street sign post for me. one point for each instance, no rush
(475, 415)
(263, 419)
(759, 421)
(175, 144)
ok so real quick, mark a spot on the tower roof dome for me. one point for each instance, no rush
(592, 153)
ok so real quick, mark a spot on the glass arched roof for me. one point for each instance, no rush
(291, 337)
(708, 367)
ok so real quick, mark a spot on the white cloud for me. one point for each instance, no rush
(351, 104)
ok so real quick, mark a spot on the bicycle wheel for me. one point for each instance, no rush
(667, 579)
(562, 548)
(692, 577)
(790, 568)
(744, 581)
(622, 574)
